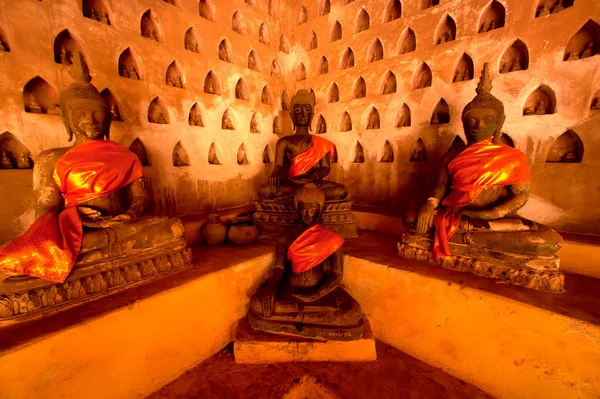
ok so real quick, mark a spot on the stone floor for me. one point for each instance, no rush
(394, 375)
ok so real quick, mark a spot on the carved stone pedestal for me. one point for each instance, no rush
(537, 272)
(274, 216)
(254, 347)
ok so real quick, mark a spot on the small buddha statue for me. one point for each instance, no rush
(5, 162)
(417, 155)
(24, 161)
(545, 10)
(292, 166)
(388, 154)
(558, 7)
(541, 108)
(373, 122)
(123, 71)
(596, 103)
(104, 18)
(226, 123)
(350, 60)
(588, 51)
(195, 118)
(313, 43)
(114, 112)
(170, 81)
(573, 56)
(275, 70)
(94, 14)
(478, 192)
(459, 76)
(64, 56)
(435, 119)
(209, 87)
(132, 72)
(303, 296)
(33, 106)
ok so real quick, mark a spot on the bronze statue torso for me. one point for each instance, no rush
(297, 144)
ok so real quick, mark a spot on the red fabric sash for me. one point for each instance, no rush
(480, 166)
(50, 246)
(304, 162)
(312, 247)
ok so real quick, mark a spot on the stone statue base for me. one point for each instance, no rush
(275, 216)
(98, 273)
(537, 272)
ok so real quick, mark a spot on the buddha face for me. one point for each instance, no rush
(88, 119)
(480, 124)
(309, 212)
(302, 114)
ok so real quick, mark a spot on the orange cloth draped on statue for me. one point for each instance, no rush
(50, 246)
(481, 165)
(302, 163)
(312, 247)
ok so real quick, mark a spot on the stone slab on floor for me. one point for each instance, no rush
(255, 347)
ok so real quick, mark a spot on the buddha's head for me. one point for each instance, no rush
(309, 203)
(85, 113)
(303, 107)
(484, 116)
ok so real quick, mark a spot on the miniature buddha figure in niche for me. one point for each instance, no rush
(5, 162)
(114, 112)
(24, 161)
(417, 155)
(459, 76)
(596, 103)
(588, 51)
(275, 70)
(65, 56)
(208, 86)
(149, 27)
(254, 126)
(91, 202)
(574, 56)
(132, 72)
(559, 7)
(195, 118)
(104, 18)
(373, 122)
(123, 71)
(541, 108)
(226, 123)
(388, 154)
(469, 222)
(3, 46)
(303, 296)
(33, 106)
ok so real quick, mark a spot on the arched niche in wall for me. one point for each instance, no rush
(172, 2)
(547, 7)
(13, 153)
(4, 44)
(425, 4)
(321, 126)
(65, 48)
(388, 83)
(213, 158)
(195, 116)
(285, 101)
(266, 158)
(238, 25)
(191, 41)
(255, 123)
(251, 3)
(150, 26)
(225, 52)
(272, 8)
(506, 140)
(300, 72)
(228, 120)
(393, 11)
(212, 84)
(595, 104)
(418, 152)
(253, 61)
(265, 96)
(180, 156)
(541, 101)
(441, 113)
(40, 98)
(347, 59)
(128, 65)
(138, 148)
(464, 69)
(158, 113)
(323, 66)
(375, 51)
(96, 10)
(515, 58)
(313, 41)
(457, 146)
(334, 157)
(584, 43)
(324, 7)
(302, 15)
(362, 21)
(423, 77)
(242, 155)
(175, 76)
(387, 153)
(360, 88)
(336, 32)
(333, 95)
(263, 34)
(373, 120)
(346, 2)
(115, 109)
(206, 10)
(493, 17)
(277, 125)
(284, 44)
(358, 153)
(408, 42)
(241, 90)
(403, 117)
(446, 30)
(345, 122)
(275, 71)
(568, 148)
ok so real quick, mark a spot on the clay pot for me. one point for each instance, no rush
(213, 231)
(243, 231)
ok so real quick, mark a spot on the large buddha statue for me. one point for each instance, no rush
(90, 207)
(470, 220)
(303, 296)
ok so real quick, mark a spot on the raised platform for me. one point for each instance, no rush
(254, 347)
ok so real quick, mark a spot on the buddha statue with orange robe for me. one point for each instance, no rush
(303, 296)
(470, 220)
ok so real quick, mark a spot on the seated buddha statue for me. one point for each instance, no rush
(472, 211)
(303, 296)
(90, 206)
(302, 158)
